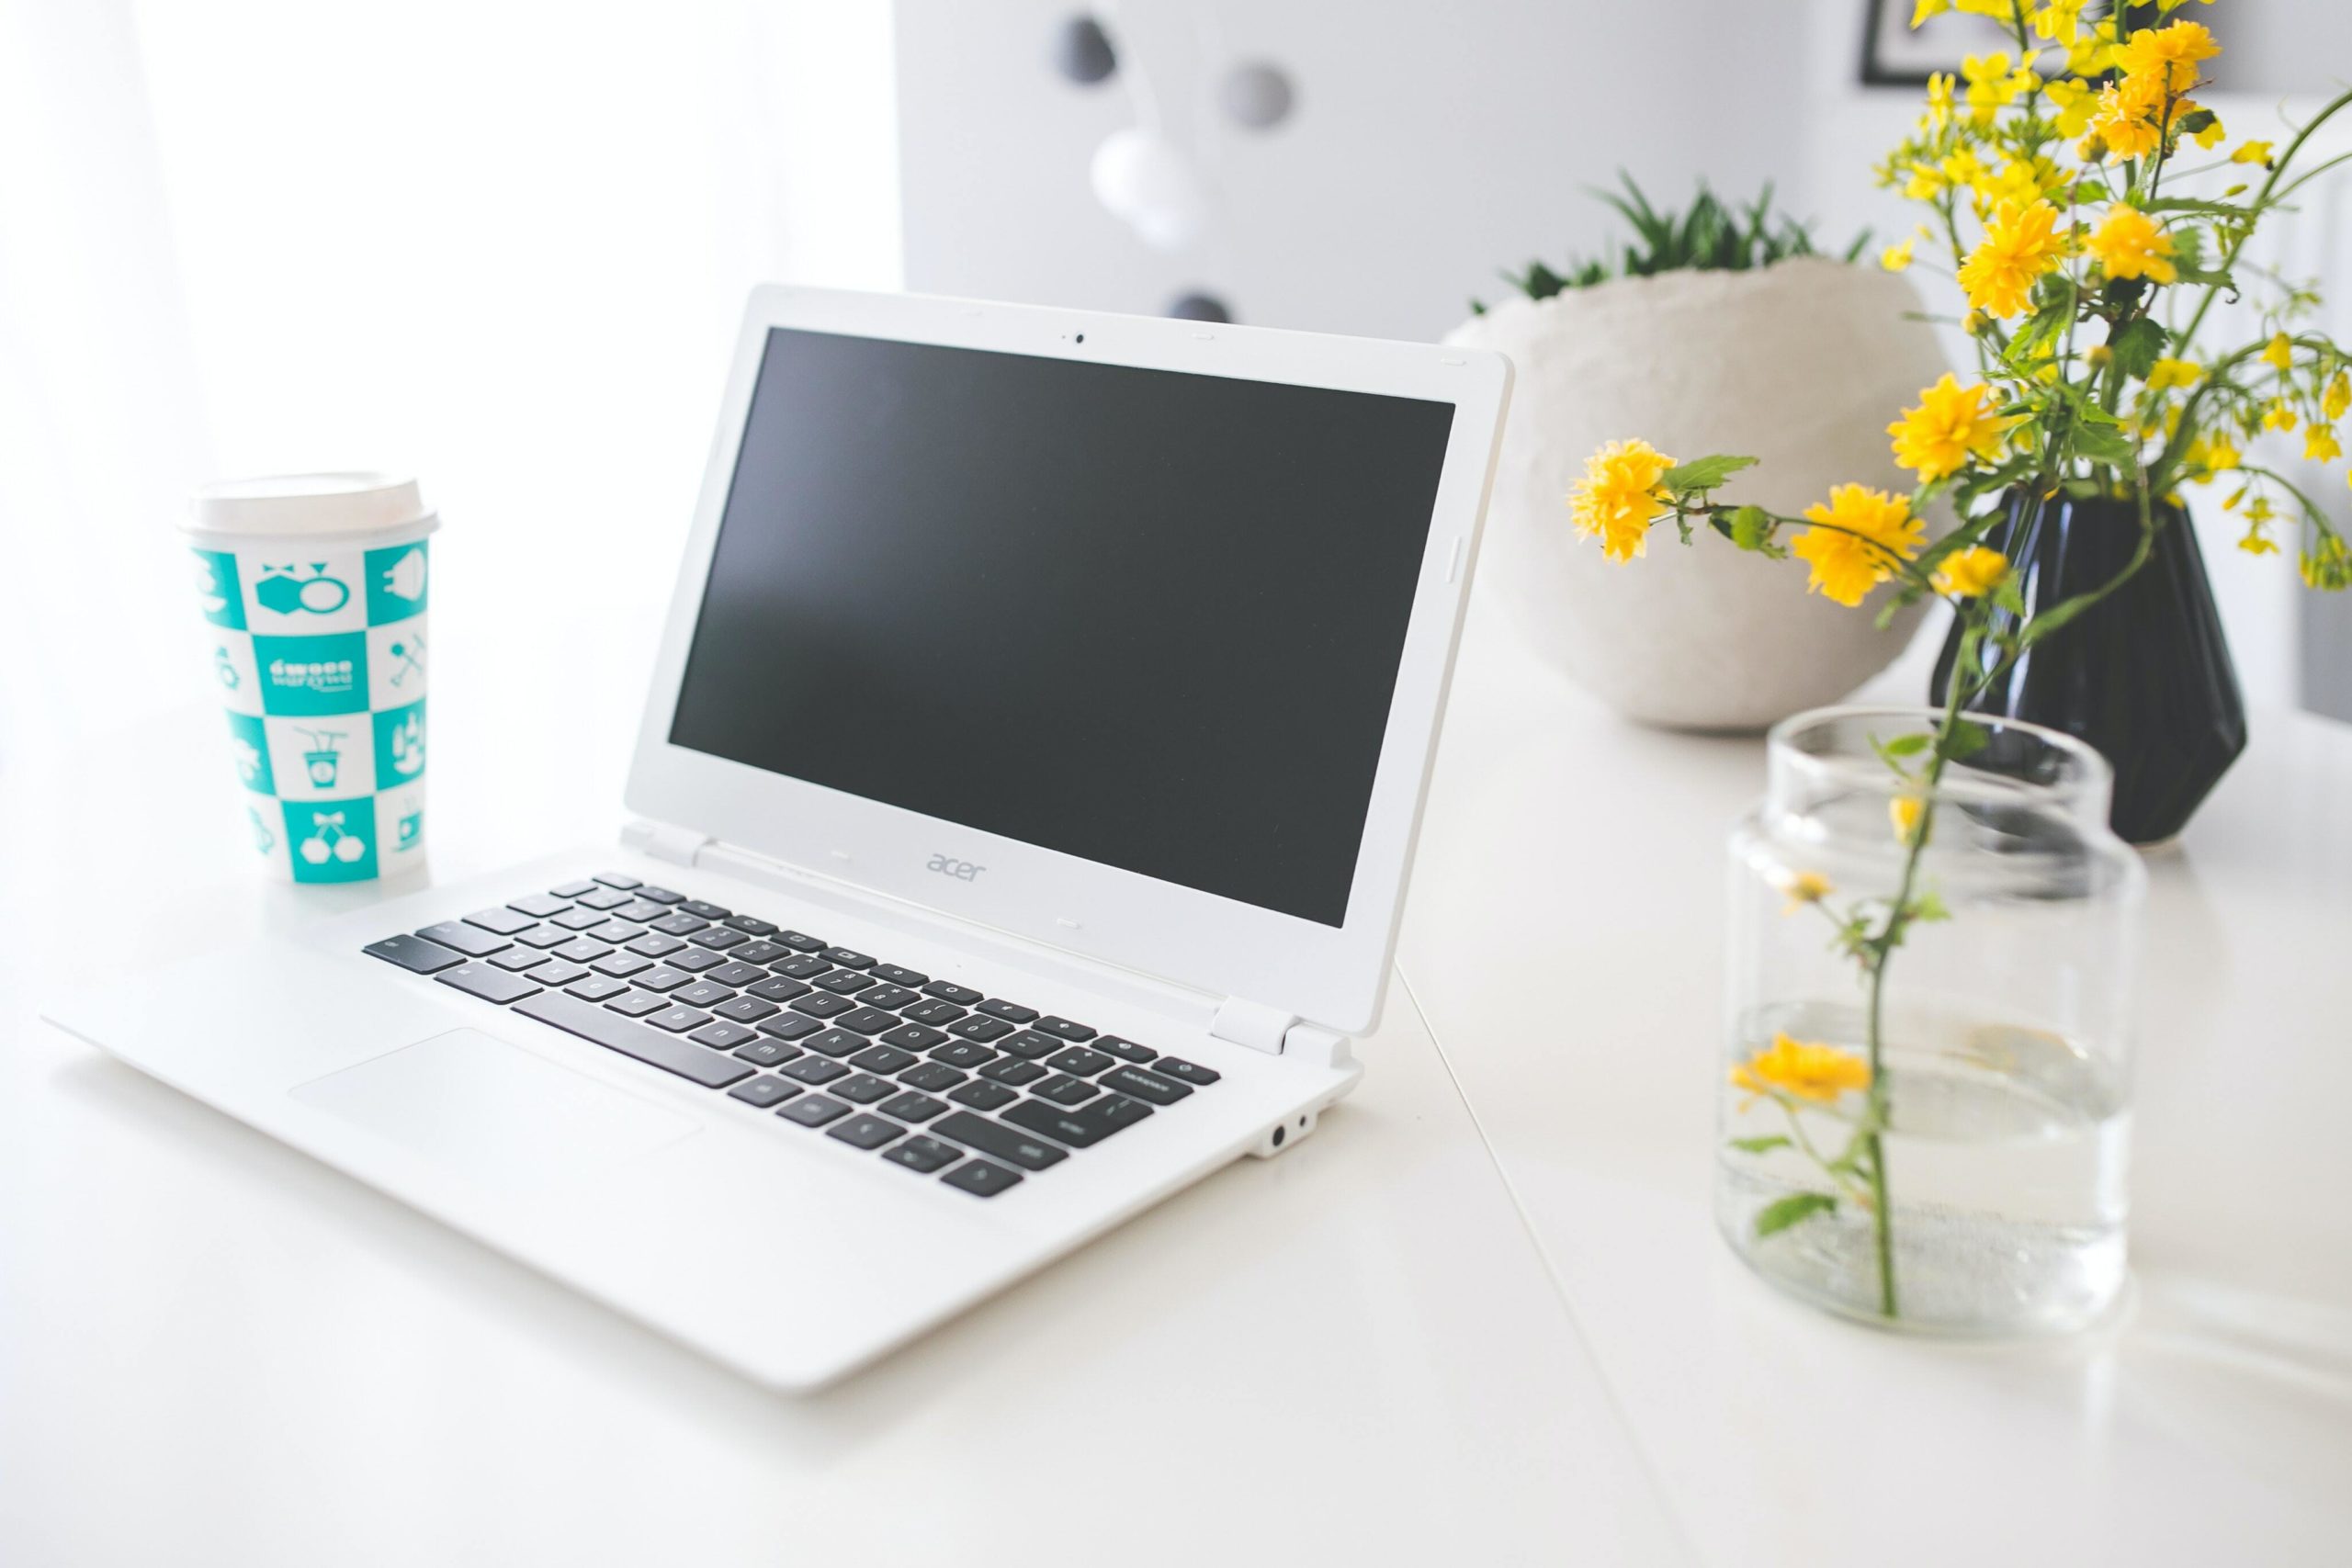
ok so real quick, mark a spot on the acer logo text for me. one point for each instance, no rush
(962, 870)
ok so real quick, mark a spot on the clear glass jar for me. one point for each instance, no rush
(1924, 1122)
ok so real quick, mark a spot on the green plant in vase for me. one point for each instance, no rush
(2072, 188)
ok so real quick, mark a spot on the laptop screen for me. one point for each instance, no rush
(1145, 617)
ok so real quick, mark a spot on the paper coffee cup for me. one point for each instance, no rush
(314, 588)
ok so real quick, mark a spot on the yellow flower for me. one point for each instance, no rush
(1952, 424)
(2021, 180)
(2073, 101)
(2338, 399)
(2018, 247)
(1925, 9)
(1805, 887)
(1926, 184)
(2166, 374)
(2132, 116)
(2167, 56)
(1898, 256)
(2213, 457)
(2279, 352)
(2212, 136)
(1620, 496)
(1972, 572)
(1903, 812)
(2278, 416)
(1940, 86)
(2258, 543)
(2094, 52)
(1964, 168)
(1990, 84)
(2252, 152)
(2320, 445)
(1866, 532)
(2327, 564)
(2060, 21)
(2131, 244)
(1808, 1069)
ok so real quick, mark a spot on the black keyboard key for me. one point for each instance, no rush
(694, 960)
(814, 1069)
(768, 1052)
(555, 974)
(822, 1004)
(653, 946)
(582, 950)
(759, 953)
(883, 1059)
(1126, 1050)
(1082, 1127)
(886, 996)
(614, 932)
(982, 1180)
(813, 1110)
(984, 1095)
(621, 965)
(963, 1053)
(1012, 1070)
(866, 1020)
(490, 985)
(653, 894)
(948, 991)
(415, 954)
(1029, 1044)
(911, 1107)
(615, 879)
(580, 920)
(921, 1154)
(1143, 1086)
(865, 1132)
(1079, 1062)
(843, 982)
(899, 974)
(979, 1028)
(789, 1026)
(702, 993)
(471, 941)
(538, 905)
(519, 958)
(1063, 1029)
(914, 1037)
(1186, 1072)
(572, 889)
(863, 1089)
(663, 979)
(596, 989)
(936, 1014)
(800, 968)
(996, 1139)
(617, 1034)
(719, 938)
(678, 1020)
(603, 898)
(503, 922)
(850, 958)
(835, 1043)
(1011, 1012)
(734, 973)
(722, 1035)
(675, 924)
(702, 909)
(640, 911)
(776, 988)
(764, 1091)
(1064, 1090)
(744, 1010)
(750, 927)
(543, 936)
(934, 1077)
(636, 1004)
(800, 942)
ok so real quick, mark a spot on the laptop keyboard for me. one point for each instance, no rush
(935, 1078)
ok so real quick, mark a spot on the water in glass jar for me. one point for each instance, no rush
(2005, 1163)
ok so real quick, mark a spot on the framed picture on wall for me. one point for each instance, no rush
(1894, 55)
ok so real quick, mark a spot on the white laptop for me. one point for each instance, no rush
(1019, 823)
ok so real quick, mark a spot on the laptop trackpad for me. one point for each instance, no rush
(487, 1110)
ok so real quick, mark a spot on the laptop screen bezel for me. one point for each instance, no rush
(1333, 976)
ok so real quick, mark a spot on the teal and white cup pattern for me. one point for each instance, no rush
(320, 650)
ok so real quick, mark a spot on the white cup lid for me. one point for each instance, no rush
(354, 502)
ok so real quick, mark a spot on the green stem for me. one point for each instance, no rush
(2261, 199)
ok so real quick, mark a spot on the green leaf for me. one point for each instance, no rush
(1904, 746)
(1966, 740)
(2101, 443)
(1781, 1215)
(1702, 473)
(1929, 907)
(1751, 527)
(1761, 1145)
(2138, 344)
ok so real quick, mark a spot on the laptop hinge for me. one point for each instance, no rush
(679, 846)
(1276, 1032)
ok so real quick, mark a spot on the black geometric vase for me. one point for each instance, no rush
(2145, 676)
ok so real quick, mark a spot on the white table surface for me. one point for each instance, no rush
(1481, 1317)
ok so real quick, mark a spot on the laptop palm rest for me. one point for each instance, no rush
(483, 1110)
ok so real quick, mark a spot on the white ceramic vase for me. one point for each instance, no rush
(1800, 365)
